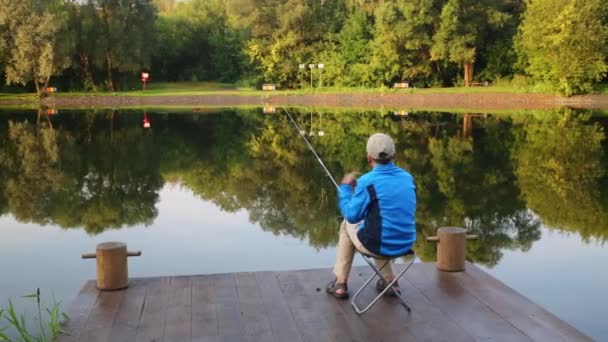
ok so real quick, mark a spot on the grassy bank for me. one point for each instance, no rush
(498, 97)
(211, 88)
(215, 88)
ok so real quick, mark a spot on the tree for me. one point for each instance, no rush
(285, 33)
(418, 27)
(127, 36)
(30, 37)
(348, 62)
(165, 6)
(461, 32)
(86, 29)
(564, 43)
(402, 40)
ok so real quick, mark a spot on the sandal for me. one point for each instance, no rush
(381, 285)
(333, 287)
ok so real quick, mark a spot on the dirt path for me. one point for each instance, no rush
(474, 102)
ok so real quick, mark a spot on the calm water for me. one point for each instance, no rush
(237, 190)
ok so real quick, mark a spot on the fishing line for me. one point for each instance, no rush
(310, 147)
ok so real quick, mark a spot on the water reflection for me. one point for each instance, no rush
(500, 177)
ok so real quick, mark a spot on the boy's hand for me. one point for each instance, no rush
(351, 178)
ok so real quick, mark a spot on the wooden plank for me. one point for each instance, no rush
(227, 307)
(129, 312)
(282, 324)
(476, 318)
(350, 325)
(527, 316)
(256, 324)
(334, 323)
(204, 317)
(78, 312)
(309, 321)
(99, 324)
(293, 306)
(152, 323)
(178, 319)
(425, 322)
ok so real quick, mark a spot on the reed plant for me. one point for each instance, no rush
(48, 322)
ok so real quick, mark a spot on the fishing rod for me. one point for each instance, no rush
(310, 147)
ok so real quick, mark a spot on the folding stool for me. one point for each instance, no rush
(377, 272)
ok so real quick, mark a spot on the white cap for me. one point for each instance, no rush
(380, 146)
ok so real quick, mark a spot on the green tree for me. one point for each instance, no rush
(285, 33)
(30, 38)
(127, 36)
(461, 32)
(565, 42)
(348, 60)
(165, 6)
(402, 40)
(86, 29)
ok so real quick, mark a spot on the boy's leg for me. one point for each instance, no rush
(387, 271)
(345, 255)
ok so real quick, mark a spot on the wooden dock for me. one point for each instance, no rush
(293, 306)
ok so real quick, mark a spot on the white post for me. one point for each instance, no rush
(311, 66)
(321, 67)
(301, 67)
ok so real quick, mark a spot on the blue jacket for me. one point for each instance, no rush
(384, 201)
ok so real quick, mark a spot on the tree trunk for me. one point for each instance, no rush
(467, 125)
(86, 70)
(112, 127)
(110, 82)
(468, 73)
(48, 120)
(38, 122)
(37, 88)
(46, 82)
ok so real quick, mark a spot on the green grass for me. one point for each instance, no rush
(601, 88)
(49, 322)
(215, 88)
(212, 88)
(18, 97)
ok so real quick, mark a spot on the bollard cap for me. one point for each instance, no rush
(452, 230)
(111, 245)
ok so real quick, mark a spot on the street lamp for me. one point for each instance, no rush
(301, 67)
(311, 66)
(312, 132)
(321, 132)
(321, 67)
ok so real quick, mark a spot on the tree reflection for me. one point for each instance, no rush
(66, 177)
(469, 182)
(33, 167)
(561, 170)
(497, 177)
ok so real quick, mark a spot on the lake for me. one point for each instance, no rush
(227, 190)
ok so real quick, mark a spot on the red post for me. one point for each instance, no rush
(144, 79)
(146, 122)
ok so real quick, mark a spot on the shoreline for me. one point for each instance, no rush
(397, 101)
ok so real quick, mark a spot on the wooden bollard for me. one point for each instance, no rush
(451, 249)
(112, 270)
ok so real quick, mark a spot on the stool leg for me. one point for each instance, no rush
(377, 272)
(392, 283)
